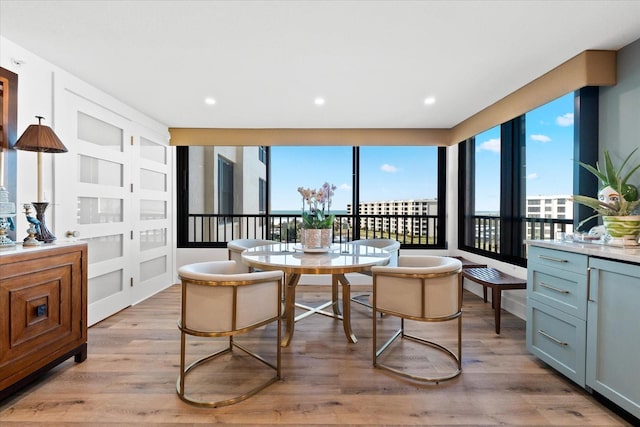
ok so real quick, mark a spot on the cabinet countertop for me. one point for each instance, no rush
(628, 254)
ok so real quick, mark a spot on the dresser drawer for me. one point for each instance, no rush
(560, 289)
(567, 261)
(558, 339)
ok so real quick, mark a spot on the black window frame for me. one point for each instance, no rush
(513, 179)
(182, 197)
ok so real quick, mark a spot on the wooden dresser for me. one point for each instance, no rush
(43, 310)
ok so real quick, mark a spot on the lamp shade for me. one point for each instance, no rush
(40, 138)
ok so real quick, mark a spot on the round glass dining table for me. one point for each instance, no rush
(337, 261)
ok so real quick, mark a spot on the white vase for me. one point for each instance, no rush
(622, 230)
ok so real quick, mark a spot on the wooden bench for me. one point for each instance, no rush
(498, 281)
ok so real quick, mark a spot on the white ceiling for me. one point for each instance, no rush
(266, 61)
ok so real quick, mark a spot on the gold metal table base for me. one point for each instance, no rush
(290, 304)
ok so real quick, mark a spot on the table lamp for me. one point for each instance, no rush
(42, 139)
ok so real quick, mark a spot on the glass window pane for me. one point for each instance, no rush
(98, 210)
(153, 267)
(204, 174)
(104, 248)
(487, 172)
(151, 180)
(310, 167)
(150, 239)
(98, 171)
(103, 286)
(153, 209)
(99, 132)
(151, 151)
(398, 192)
(549, 166)
(550, 155)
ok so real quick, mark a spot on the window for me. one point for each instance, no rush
(262, 154)
(487, 172)
(534, 165)
(225, 186)
(262, 202)
(408, 177)
(397, 191)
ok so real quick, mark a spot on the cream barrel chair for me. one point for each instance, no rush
(235, 248)
(422, 289)
(219, 302)
(390, 245)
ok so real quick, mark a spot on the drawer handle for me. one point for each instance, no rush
(550, 258)
(556, 340)
(41, 310)
(553, 288)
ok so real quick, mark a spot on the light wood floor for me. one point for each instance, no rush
(129, 378)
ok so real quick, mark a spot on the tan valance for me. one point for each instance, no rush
(590, 68)
(349, 137)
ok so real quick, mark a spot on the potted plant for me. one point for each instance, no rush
(317, 222)
(617, 201)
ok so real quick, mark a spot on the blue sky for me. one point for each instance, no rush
(398, 173)
(387, 173)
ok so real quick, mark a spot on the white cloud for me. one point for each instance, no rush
(565, 120)
(388, 168)
(491, 145)
(540, 138)
(344, 187)
(532, 176)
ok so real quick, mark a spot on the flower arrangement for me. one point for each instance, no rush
(616, 196)
(319, 204)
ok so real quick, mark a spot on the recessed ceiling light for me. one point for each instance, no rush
(429, 100)
(209, 101)
(319, 101)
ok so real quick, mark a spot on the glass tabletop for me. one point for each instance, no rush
(341, 258)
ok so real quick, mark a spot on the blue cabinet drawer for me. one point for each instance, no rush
(558, 339)
(564, 290)
(567, 261)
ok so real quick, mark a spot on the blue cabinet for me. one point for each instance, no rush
(557, 310)
(613, 332)
(583, 319)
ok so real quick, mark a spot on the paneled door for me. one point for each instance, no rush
(112, 191)
(151, 221)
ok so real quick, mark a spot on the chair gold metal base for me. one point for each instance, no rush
(457, 358)
(181, 381)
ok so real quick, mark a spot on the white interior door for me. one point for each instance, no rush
(113, 188)
(151, 210)
(93, 197)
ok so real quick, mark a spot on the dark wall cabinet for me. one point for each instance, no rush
(43, 310)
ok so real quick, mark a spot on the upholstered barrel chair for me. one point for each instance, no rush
(421, 289)
(218, 302)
